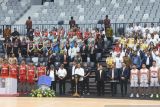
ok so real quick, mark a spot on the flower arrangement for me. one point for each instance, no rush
(42, 93)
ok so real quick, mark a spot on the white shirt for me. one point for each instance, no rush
(154, 40)
(148, 36)
(147, 61)
(51, 74)
(154, 55)
(73, 70)
(80, 71)
(157, 28)
(69, 51)
(118, 62)
(158, 61)
(100, 73)
(136, 28)
(112, 73)
(74, 51)
(62, 72)
(152, 29)
(122, 55)
(144, 30)
(129, 30)
(156, 36)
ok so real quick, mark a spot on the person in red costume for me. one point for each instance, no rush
(79, 33)
(37, 32)
(117, 48)
(41, 70)
(13, 69)
(31, 76)
(22, 76)
(5, 68)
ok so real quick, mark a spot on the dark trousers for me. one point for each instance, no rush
(72, 86)
(118, 71)
(114, 88)
(84, 58)
(80, 87)
(53, 85)
(28, 30)
(86, 85)
(15, 51)
(62, 87)
(123, 84)
(100, 88)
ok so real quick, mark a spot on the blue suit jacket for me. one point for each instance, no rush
(125, 74)
(145, 59)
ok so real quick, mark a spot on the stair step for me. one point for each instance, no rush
(95, 92)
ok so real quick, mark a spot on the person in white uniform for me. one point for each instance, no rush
(144, 79)
(62, 73)
(80, 72)
(134, 79)
(154, 80)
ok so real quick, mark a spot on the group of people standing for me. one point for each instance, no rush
(139, 51)
(26, 74)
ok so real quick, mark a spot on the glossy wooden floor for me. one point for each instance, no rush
(71, 102)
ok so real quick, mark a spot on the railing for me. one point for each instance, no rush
(115, 26)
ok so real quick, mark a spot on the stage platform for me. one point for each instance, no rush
(74, 102)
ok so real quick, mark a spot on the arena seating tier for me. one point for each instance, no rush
(12, 10)
(91, 11)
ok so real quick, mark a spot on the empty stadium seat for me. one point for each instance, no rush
(94, 10)
(13, 9)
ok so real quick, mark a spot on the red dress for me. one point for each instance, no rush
(86, 35)
(45, 34)
(71, 34)
(41, 71)
(54, 33)
(22, 73)
(13, 71)
(37, 33)
(5, 70)
(79, 34)
(31, 74)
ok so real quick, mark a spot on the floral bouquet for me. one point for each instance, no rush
(42, 93)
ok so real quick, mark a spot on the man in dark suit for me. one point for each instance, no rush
(124, 76)
(147, 60)
(100, 78)
(86, 78)
(113, 77)
(84, 52)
